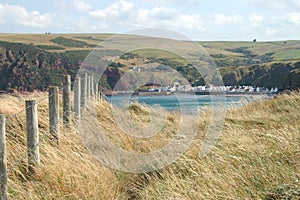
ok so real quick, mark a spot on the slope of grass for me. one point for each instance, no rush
(36, 39)
(259, 48)
(257, 156)
(156, 53)
(288, 48)
(66, 172)
(288, 55)
(56, 41)
(67, 42)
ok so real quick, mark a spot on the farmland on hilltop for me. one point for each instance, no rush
(25, 58)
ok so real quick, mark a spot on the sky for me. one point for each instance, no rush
(204, 20)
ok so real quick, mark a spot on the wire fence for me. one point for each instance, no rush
(15, 124)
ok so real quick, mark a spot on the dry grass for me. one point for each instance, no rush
(257, 157)
(258, 153)
(66, 172)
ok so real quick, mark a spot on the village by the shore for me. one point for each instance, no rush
(156, 89)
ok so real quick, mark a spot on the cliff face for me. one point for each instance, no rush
(21, 71)
(281, 75)
(293, 80)
(24, 67)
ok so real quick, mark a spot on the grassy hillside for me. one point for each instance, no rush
(46, 57)
(50, 39)
(282, 50)
(255, 48)
(257, 157)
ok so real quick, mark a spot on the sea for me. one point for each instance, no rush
(186, 102)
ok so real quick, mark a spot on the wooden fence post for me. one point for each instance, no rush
(67, 101)
(92, 87)
(3, 161)
(96, 91)
(54, 113)
(101, 97)
(83, 90)
(88, 94)
(32, 134)
(77, 98)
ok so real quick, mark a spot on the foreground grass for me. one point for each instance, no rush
(257, 157)
(66, 172)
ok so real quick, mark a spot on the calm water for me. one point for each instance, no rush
(184, 102)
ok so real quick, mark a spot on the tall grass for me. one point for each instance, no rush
(66, 172)
(257, 156)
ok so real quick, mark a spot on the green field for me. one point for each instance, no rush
(280, 50)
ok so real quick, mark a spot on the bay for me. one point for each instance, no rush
(185, 102)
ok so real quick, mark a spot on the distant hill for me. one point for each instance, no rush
(29, 62)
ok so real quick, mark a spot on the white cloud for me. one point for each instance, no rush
(178, 2)
(190, 22)
(270, 31)
(267, 19)
(294, 18)
(256, 20)
(2, 20)
(123, 15)
(113, 10)
(221, 19)
(19, 15)
(81, 6)
(278, 4)
(123, 5)
(161, 17)
(157, 13)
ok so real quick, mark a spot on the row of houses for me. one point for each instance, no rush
(177, 87)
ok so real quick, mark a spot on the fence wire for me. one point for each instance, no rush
(42, 135)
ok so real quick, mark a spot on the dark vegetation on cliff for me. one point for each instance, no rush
(26, 67)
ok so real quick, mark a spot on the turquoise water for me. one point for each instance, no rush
(183, 102)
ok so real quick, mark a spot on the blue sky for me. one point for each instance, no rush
(196, 19)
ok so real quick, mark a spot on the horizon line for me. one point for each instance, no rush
(198, 40)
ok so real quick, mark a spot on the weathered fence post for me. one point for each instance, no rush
(32, 134)
(101, 96)
(92, 87)
(83, 90)
(54, 113)
(96, 91)
(88, 94)
(67, 101)
(3, 161)
(77, 98)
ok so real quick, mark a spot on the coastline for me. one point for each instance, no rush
(192, 93)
